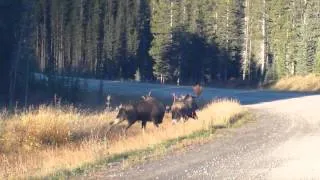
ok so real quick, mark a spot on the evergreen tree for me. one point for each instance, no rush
(190, 40)
(161, 30)
(144, 59)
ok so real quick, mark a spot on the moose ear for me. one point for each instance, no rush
(149, 94)
(143, 97)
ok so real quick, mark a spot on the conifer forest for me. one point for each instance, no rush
(142, 40)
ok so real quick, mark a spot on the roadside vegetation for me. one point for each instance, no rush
(308, 83)
(59, 140)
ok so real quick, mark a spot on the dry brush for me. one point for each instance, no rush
(44, 140)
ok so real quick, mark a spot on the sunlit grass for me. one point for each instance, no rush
(308, 83)
(48, 139)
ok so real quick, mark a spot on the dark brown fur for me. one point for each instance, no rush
(147, 109)
(197, 89)
(184, 107)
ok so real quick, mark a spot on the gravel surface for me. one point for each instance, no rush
(283, 143)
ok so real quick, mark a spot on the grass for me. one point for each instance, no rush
(55, 141)
(308, 83)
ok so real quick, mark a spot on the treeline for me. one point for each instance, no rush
(138, 39)
(203, 40)
(99, 38)
(282, 37)
(135, 39)
(9, 23)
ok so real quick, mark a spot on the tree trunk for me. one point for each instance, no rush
(171, 14)
(13, 76)
(184, 12)
(227, 25)
(249, 57)
(26, 94)
(171, 18)
(225, 73)
(263, 48)
(245, 62)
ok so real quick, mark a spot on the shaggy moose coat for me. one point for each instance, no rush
(147, 109)
(183, 108)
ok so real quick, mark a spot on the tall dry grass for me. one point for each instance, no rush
(308, 83)
(44, 140)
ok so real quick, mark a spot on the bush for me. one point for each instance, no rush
(49, 126)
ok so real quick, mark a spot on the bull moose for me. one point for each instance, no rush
(146, 109)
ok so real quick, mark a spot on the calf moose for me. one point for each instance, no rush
(184, 107)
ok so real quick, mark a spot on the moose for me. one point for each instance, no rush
(185, 106)
(146, 109)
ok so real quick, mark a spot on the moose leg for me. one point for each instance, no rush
(128, 126)
(114, 123)
(156, 124)
(194, 114)
(180, 117)
(143, 124)
(185, 119)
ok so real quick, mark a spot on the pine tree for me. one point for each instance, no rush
(144, 60)
(9, 23)
(161, 30)
(281, 33)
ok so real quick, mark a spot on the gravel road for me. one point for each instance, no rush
(283, 142)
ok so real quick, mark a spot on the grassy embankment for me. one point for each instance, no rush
(308, 83)
(60, 141)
